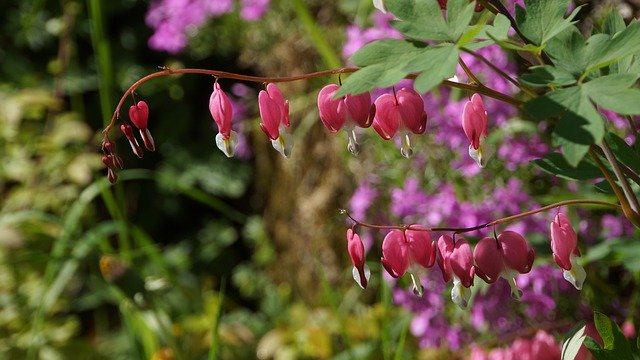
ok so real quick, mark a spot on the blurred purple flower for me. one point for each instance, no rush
(357, 37)
(252, 10)
(409, 200)
(173, 20)
(615, 226)
(361, 200)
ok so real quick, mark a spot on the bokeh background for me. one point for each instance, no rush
(195, 256)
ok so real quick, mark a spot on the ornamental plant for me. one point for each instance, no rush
(574, 82)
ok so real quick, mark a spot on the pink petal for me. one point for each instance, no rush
(332, 114)
(221, 110)
(395, 255)
(488, 258)
(270, 115)
(516, 251)
(387, 118)
(139, 114)
(355, 247)
(421, 248)
(445, 247)
(359, 109)
(411, 107)
(462, 262)
(563, 241)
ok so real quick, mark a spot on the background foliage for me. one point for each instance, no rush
(193, 256)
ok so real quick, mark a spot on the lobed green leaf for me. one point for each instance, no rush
(543, 19)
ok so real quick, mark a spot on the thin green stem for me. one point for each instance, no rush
(485, 225)
(499, 71)
(469, 73)
(633, 216)
(626, 188)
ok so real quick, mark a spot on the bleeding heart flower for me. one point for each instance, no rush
(355, 247)
(564, 244)
(348, 111)
(456, 260)
(474, 124)
(403, 251)
(222, 113)
(401, 111)
(506, 256)
(274, 113)
(139, 115)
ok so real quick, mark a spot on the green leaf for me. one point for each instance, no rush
(436, 65)
(596, 350)
(567, 51)
(389, 51)
(414, 15)
(511, 45)
(612, 336)
(612, 92)
(384, 64)
(547, 75)
(543, 19)
(555, 163)
(624, 102)
(460, 13)
(572, 341)
(613, 23)
(476, 31)
(369, 78)
(580, 124)
(608, 49)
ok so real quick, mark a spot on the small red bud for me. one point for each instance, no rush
(109, 146)
(128, 133)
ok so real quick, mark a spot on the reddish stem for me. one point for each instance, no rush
(485, 225)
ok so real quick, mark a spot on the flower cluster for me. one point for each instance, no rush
(403, 112)
(507, 255)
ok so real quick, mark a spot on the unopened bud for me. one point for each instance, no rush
(128, 133)
(109, 146)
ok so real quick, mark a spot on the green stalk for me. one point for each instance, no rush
(102, 51)
(329, 56)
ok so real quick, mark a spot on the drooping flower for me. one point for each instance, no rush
(128, 133)
(456, 261)
(355, 247)
(347, 111)
(139, 115)
(474, 124)
(403, 251)
(401, 111)
(506, 256)
(222, 113)
(564, 244)
(274, 113)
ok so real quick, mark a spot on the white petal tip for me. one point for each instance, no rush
(356, 276)
(227, 146)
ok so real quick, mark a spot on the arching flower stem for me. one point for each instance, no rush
(259, 79)
(485, 225)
